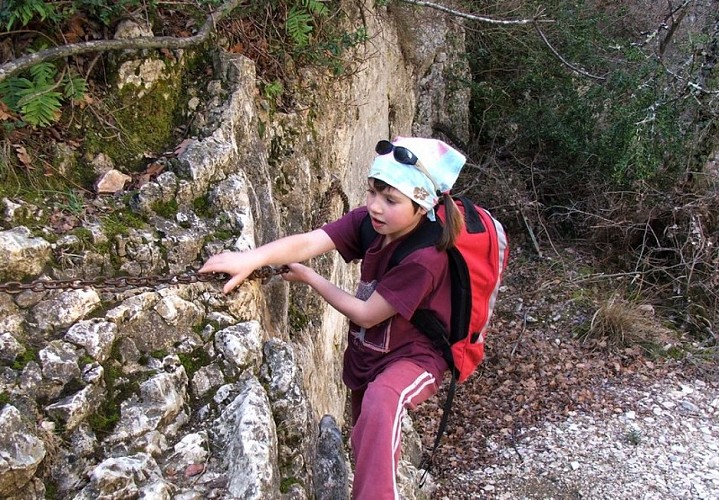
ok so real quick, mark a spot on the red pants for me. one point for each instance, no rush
(377, 417)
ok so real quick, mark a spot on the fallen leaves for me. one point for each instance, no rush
(151, 172)
(5, 113)
(533, 373)
(62, 222)
(23, 156)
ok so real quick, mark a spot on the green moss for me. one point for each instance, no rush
(146, 122)
(297, 318)
(287, 483)
(166, 209)
(119, 388)
(159, 354)
(85, 360)
(105, 418)
(55, 174)
(120, 222)
(4, 399)
(194, 360)
(222, 234)
(201, 206)
(133, 122)
(23, 359)
(51, 491)
(84, 235)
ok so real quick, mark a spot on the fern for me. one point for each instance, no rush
(39, 100)
(11, 90)
(298, 26)
(42, 107)
(74, 87)
(21, 12)
(43, 72)
(317, 7)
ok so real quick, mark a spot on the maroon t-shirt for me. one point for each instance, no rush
(419, 281)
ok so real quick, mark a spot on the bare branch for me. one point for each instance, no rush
(535, 20)
(472, 17)
(692, 85)
(162, 42)
(564, 61)
(664, 42)
(663, 26)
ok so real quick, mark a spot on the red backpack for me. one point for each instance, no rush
(476, 264)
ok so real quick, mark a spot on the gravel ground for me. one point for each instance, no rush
(654, 442)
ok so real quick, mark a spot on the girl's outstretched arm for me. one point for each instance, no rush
(364, 313)
(294, 248)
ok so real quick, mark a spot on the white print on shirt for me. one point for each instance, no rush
(381, 332)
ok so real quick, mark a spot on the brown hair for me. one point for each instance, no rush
(453, 222)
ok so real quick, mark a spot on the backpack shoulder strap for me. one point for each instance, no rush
(426, 235)
(472, 219)
(367, 234)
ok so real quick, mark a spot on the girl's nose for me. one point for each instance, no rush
(373, 206)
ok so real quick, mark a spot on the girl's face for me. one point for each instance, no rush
(392, 213)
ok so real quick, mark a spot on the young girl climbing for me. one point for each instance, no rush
(389, 365)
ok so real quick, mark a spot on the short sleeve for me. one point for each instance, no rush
(345, 233)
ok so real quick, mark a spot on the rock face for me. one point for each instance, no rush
(179, 391)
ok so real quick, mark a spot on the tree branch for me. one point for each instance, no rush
(564, 61)
(421, 3)
(535, 20)
(161, 42)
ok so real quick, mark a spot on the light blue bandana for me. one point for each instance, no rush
(442, 163)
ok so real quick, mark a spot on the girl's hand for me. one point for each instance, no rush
(298, 272)
(236, 264)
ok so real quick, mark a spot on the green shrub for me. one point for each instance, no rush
(619, 127)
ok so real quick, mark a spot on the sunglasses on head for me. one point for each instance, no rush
(406, 157)
(401, 154)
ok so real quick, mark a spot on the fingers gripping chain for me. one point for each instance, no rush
(122, 283)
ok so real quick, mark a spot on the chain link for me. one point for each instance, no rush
(325, 205)
(122, 283)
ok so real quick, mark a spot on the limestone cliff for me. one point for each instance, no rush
(178, 391)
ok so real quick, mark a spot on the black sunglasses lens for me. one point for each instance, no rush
(404, 155)
(383, 147)
(401, 154)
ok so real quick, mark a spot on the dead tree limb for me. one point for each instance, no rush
(421, 3)
(20, 64)
(534, 20)
(563, 60)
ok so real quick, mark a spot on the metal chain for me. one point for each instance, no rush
(121, 283)
(325, 205)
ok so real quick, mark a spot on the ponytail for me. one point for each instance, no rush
(453, 223)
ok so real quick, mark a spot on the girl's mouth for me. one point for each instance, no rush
(375, 223)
